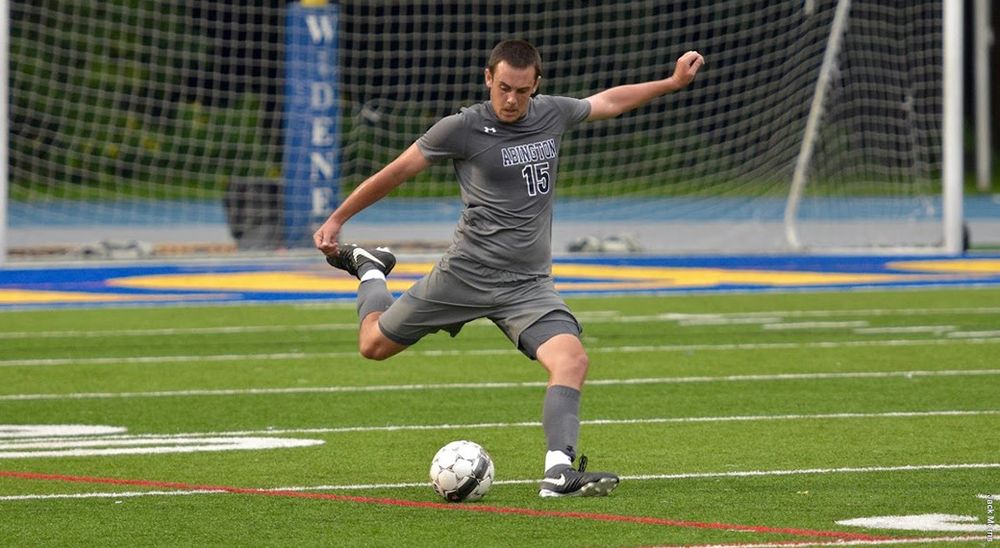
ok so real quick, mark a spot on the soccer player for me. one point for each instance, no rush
(499, 266)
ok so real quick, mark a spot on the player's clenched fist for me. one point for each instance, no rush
(326, 237)
(687, 66)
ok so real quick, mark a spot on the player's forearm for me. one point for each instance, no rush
(632, 96)
(372, 190)
(621, 99)
(367, 193)
(363, 196)
(380, 184)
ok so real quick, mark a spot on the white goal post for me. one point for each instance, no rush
(816, 126)
(952, 172)
(4, 126)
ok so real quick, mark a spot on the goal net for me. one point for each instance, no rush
(814, 125)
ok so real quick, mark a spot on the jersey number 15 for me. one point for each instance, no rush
(537, 178)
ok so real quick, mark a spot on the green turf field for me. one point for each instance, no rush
(749, 419)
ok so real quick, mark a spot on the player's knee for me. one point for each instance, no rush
(581, 363)
(373, 353)
(565, 358)
(373, 345)
(574, 365)
(373, 350)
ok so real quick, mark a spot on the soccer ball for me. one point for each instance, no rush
(462, 470)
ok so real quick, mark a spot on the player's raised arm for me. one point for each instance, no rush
(617, 100)
(373, 189)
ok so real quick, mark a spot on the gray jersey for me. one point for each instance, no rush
(507, 174)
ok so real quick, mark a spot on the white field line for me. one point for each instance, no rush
(797, 544)
(893, 330)
(964, 334)
(600, 316)
(282, 356)
(218, 330)
(728, 320)
(522, 481)
(532, 424)
(846, 313)
(814, 325)
(105, 495)
(500, 385)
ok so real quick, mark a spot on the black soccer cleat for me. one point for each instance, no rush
(564, 481)
(355, 260)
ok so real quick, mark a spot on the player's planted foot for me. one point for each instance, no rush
(564, 481)
(358, 260)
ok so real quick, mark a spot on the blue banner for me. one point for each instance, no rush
(312, 120)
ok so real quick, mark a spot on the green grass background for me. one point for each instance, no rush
(303, 346)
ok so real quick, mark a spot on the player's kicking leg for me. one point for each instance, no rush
(371, 267)
(564, 357)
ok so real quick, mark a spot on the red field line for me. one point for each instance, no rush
(506, 510)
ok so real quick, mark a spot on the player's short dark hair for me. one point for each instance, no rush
(518, 54)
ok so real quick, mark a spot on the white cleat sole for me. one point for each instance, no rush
(600, 488)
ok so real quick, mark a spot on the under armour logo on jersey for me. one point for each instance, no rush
(489, 129)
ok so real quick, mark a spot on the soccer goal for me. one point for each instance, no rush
(815, 125)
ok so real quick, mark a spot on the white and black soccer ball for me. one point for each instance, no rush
(462, 470)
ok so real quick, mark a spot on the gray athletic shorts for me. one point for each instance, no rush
(527, 309)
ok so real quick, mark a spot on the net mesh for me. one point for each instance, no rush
(134, 120)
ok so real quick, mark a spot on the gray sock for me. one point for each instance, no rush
(373, 296)
(561, 419)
